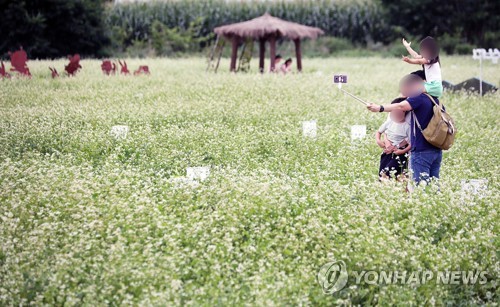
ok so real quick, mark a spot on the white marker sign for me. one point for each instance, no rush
(119, 132)
(358, 132)
(198, 173)
(481, 54)
(309, 128)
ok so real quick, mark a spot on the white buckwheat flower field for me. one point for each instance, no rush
(95, 215)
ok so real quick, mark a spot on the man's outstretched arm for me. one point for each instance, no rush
(402, 106)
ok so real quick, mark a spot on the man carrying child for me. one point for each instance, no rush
(425, 158)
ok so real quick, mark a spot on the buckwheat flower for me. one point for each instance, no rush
(176, 284)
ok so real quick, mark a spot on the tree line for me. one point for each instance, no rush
(99, 28)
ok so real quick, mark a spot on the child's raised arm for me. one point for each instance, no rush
(412, 52)
(420, 61)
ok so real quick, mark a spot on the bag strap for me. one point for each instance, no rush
(440, 105)
(415, 123)
(415, 119)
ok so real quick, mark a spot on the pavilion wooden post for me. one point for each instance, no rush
(266, 28)
(298, 54)
(262, 54)
(234, 52)
(272, 42)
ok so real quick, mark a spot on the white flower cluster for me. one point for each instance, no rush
(89, 219)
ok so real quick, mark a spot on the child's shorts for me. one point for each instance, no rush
(434, 88)
(390, 163)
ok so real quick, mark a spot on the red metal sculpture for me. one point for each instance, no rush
(74, 65)
(106, 67)
(124, 69)
(54, 72)
(3, 73)
(18, 61)
(142, 70)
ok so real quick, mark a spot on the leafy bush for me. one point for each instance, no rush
(463, 48)
(53, 28)
(397, 49)
(140, 49)
(168, 42)
(491, 39)
(453, 44)
(322, 47)
(448, 43)
(334, 44)
(470, 20)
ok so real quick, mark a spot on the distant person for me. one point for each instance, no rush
(287, 66)
(429, 59)
(425, 158)
(277, 60)
(396, 145)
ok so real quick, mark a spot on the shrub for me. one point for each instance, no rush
(53, 29)
(140, 49)
(171, 41)
(463, 48)
(466, 19)
(448, 43)
(322, 47)
(396, 49)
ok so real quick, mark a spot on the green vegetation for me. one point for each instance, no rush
(53, 28)
(459, 24)
(369, 25)
(172, 28)
(361, 21)
(89, 220)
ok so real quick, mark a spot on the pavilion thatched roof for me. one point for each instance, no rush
(267, 25)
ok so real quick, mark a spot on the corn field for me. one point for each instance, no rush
(361, 21)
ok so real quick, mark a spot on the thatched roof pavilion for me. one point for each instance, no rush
(267, 28)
